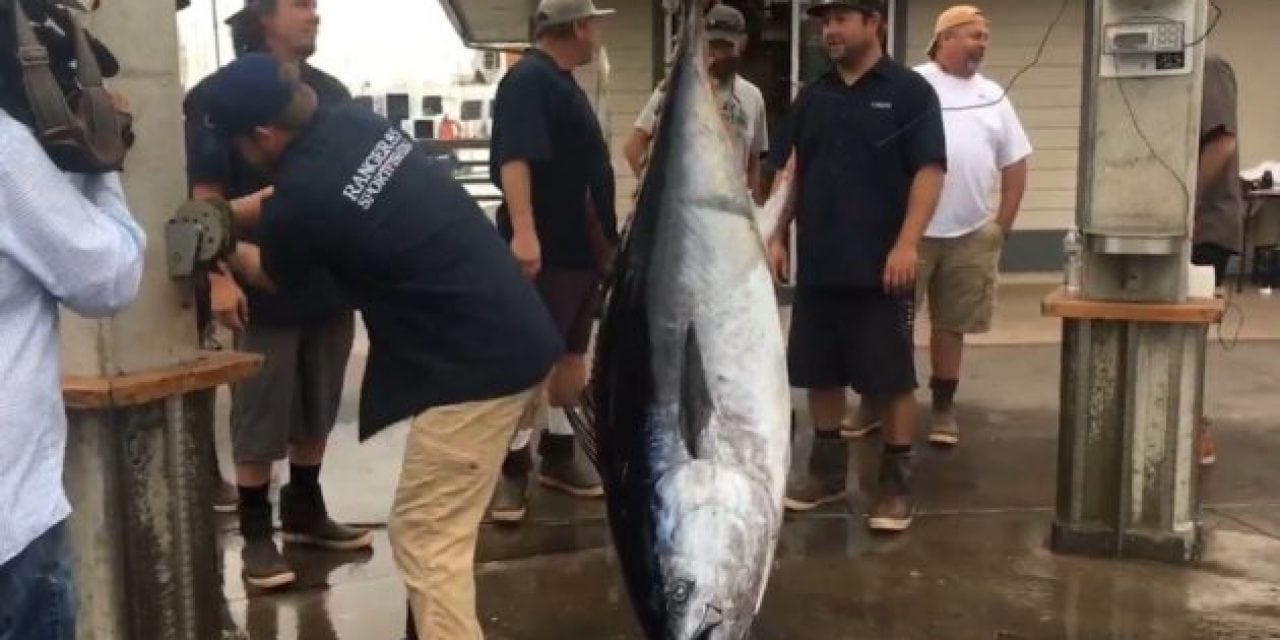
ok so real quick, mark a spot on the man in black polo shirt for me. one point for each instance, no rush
(460, 342)
(305, 332)
(870, 155)
(550, 160)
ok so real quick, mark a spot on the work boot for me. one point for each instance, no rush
(563, 469)
(946, 431)
(894, 508)
(826, 480)
(510, 499)
(305, 520)
(263, 567)
(865, 422)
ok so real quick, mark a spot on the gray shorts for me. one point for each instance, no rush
(296, 396)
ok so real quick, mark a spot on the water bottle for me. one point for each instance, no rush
(1073, 248)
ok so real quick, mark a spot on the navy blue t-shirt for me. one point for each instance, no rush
(450, 317)
(542, 116)
(858, 149)
(212, 160)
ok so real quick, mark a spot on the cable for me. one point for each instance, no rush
(1229, 343)
(1213, 25)
(1035, 61)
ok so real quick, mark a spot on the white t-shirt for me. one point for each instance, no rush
(742, 109)
(980, 143)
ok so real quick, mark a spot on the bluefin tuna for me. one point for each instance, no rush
(690, 396)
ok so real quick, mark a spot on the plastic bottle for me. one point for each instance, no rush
(1073, 249)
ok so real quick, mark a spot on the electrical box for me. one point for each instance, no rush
(1145, 38)
(1140, 147)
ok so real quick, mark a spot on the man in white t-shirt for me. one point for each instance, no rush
(960, 255)
(741, 103)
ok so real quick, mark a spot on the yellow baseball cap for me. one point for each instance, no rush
(956, 16)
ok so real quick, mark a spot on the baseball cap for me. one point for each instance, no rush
(554, 12)
(819, 7)
(956, 16)
(247, 93)
(726, 23)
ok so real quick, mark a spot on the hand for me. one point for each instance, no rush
(528, 253)
(779, 260)
(119, 102)
(230, 306)
(900, 269)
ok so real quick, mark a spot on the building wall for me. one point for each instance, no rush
(629, 37)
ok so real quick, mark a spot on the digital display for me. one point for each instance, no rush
(1133, 40)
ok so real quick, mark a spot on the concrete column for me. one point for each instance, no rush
(139, 396)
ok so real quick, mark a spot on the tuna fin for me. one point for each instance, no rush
(582, 419)
(695, 396)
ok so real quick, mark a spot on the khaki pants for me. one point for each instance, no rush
(451, 464)
(958, 278)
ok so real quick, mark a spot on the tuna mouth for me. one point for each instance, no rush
(712, 618)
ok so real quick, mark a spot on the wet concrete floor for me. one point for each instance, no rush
(975, 565)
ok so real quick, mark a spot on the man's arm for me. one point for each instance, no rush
(926, 190)
(1215, 159)
(74, 234)
(1013, 186)
(779, 255)
(247, 263)
(517, 188)
(636, 150)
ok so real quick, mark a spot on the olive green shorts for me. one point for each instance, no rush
(957, 277)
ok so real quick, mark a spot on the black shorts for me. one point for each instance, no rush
(857, 338)
(571, 295)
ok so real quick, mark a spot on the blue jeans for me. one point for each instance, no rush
(37, 591)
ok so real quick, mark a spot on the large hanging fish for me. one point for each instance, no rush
(691, 401)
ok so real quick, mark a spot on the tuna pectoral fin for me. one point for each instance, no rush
(695, 395)
(767, 216)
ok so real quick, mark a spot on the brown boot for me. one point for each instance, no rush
(894, 507)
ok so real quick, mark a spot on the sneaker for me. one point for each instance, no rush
(1206, 447)
(894, 508)
(226, 499)
(305, 520)
(264, 567)
(510, 501)
(826, 481)
(563, 468)
(866, 422)
(946, 431)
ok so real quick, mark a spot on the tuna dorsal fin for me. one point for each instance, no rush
(695, 395)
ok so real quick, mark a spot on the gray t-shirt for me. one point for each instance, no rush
(741, 106)
(1220, 209)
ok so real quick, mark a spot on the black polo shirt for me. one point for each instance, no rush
(542, 116)
(858, 149)
(212, 160)
(450, 317)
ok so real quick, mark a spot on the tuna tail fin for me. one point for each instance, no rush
(583, 421)
(696, 405)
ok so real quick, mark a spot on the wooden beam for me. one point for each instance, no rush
(1195, 311)
(210, 370)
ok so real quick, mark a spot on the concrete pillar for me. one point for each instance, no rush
(139, 395)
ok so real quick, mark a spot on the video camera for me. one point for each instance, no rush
(51, 79)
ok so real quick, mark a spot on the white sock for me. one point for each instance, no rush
(558, 423)
(521, 440)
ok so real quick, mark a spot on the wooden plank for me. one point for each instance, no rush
(208, 371)
(1195, 311)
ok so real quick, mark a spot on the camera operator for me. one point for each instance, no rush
(65, 238)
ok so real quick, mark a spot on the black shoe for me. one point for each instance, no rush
(826, 481)
(264, 568)
(510, 501)
(305, 520)
(563, 468)
(894, 507)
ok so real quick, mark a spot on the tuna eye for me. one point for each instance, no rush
(680, 591)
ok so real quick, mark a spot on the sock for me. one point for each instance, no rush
(944, 393)
(255, 512)
(520, 441)
(305, 477)
(558, 423)
(897, 449)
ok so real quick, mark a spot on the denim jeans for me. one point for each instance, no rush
(37, 591)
